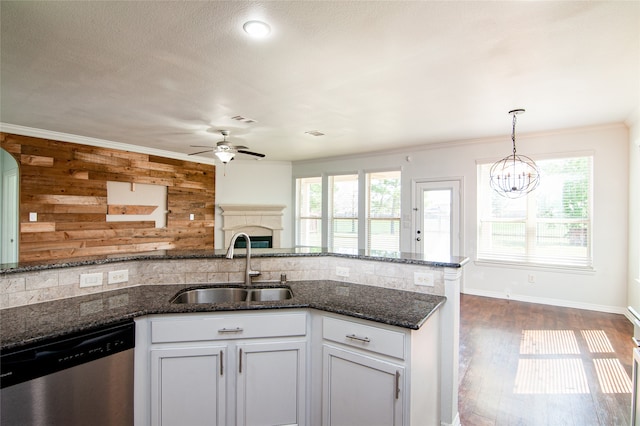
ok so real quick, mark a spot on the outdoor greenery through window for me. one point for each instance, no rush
(383, 212)
(343, 213)
(363, 212)
(309, 212)
(549, 226)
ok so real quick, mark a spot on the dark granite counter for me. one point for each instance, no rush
(33, 323)
(394, 257)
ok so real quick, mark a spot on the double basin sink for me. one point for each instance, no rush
(232, 295)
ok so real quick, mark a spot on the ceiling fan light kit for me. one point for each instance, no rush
(515, 175)
(226, 151)
(224, 155)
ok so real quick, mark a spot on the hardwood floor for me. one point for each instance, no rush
(527, 364)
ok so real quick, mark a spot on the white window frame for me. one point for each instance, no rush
(368, 219)
(298, 217)
(362, 218)
(331, 218)
(520, 261)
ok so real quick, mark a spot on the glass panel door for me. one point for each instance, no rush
(437, 232)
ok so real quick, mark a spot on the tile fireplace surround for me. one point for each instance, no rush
(256, 220)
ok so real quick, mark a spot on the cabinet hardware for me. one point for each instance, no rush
(359, 339)
(240, 362)
(231, 330)
(397, 384)
(221, 364)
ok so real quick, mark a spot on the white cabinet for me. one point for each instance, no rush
(270, 383)
(188, 386)
(221, 369)
(376, 374)
(266, 368)
(635, 401)
(361, 390)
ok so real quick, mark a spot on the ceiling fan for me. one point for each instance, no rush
(225, 151)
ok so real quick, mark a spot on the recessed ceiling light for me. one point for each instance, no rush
(257, 29)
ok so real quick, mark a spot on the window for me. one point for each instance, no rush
(383, 212)
(309, 212)
(549, 226)
(362, 212)
(343, 213)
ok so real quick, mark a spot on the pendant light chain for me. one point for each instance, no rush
(513, 132)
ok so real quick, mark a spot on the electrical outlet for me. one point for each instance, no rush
(192, 216)
(91, 280)
(532, 279)
(423, 278)
(33, 216)
(116, 277)
(342, 271)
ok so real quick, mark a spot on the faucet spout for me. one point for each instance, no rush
(248, 272)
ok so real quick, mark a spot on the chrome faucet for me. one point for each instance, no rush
(248, 272)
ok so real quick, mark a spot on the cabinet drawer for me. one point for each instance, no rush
(225, 327)
(374, 339)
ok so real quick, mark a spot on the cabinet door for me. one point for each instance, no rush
(188, 386)
(360, 390)
(271, 383)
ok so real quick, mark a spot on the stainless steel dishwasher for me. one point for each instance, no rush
(80, 379)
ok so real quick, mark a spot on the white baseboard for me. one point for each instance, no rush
(548, 301)
(456, 422)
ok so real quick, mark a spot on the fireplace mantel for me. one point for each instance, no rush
(254, 220)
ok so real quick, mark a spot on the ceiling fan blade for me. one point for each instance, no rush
(255, 154)
(200, 152)
(200, 146)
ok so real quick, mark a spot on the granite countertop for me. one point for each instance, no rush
(33, 323)
(393, 257)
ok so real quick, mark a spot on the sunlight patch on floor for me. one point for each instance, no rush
(548, 342)
(597, 341)
(611, 376)
(551, 376)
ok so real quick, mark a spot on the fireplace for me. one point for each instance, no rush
(262, 222)
(256, 242)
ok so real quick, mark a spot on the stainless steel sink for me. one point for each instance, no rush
(233, 294)
(269, 294)
(211, 295)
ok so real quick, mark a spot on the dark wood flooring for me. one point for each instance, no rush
(515, 372)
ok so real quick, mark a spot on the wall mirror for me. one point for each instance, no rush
(9, 217)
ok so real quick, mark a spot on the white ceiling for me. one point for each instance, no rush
(371, 75)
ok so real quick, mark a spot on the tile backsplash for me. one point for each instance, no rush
(33, 287)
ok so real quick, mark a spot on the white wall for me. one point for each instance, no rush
(634, 216)
(604, 289)
(254, 182)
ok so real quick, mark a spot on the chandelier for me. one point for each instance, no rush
(515, 175)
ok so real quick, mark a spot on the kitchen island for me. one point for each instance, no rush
(376, 290)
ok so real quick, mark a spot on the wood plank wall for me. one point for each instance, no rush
(66, 185)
